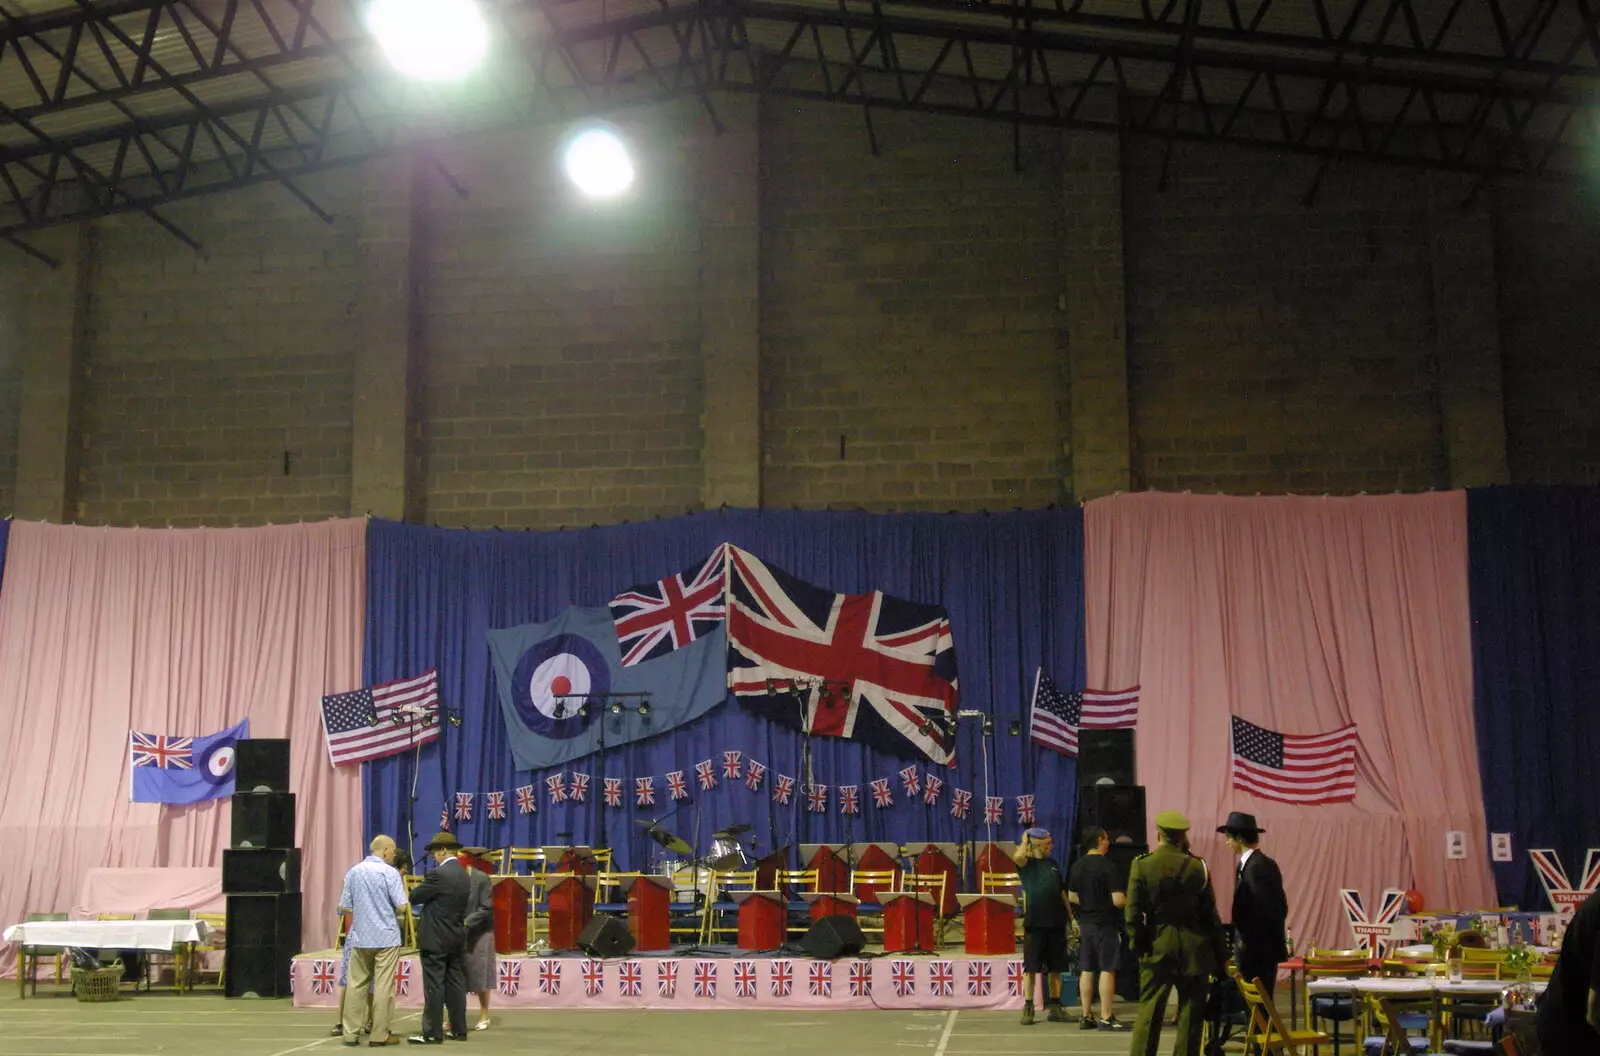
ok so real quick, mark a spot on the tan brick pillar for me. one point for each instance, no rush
(53, 342)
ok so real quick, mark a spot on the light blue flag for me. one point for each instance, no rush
(183, 769)
(540, 666)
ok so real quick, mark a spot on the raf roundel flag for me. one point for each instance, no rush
(166, 769)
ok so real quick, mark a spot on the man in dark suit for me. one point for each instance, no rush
(1260, 909)
(443, 897)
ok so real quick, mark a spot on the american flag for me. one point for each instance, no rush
(402, 978)
(705, 978)
(782, 978)
(817, 799)
(557, 786)
(942, 978)
(677, 787)
(1025, 812)
(782, 789)
(362, 724)
(594, 976)
(509, 978)
(849, 799)
(904, 976)
(527, 802)
(1289, 768)
(1055, 717)
(611, 789)
(753, 775)
(860, 979)
(157, 749)
(644, 791)
(744, 979)
(550, 977)
(653, 619)
(979, 978)
(705, 771)
(931, 787)
(324, 976)
(909, 779)
(630, 979)
(495, 804)
(960, 802)
(667, 978)
(882, 796)
(994, 809)
(819, 979)
(463, 806)
(580, 788)
(1013, 978)
(733, 765)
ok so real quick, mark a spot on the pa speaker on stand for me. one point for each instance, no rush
(261, 874)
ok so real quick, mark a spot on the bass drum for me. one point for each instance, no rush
(728, 857)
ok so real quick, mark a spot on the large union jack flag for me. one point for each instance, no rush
(819, 979)
(653, 619)
(667, 978)
(782, 978)
(979, 978)
(705, 978)
(509, 978)
(904, 976)
(630, 979)
(744, 979)
(157, 749)
(942, 978)
(594, 977)
(869, 667)
(860, 979)
(495, 804)
(550, 977)
(402, 978)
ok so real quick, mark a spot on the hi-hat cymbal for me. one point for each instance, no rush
(731, 831)
(670, 842)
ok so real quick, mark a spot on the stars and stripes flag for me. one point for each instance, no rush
(849, 799)
(960, 803)
(324, 977)
(979, 978)
(509, 978)
(904, 976)
(644, 791)
(1025, 811)
(550, 977)
(994, 809)
(653, 619)
(733, 765)
(667, 978)
(819, 979)
(1294, 768)
(1013, 978)
(611, 789)
(744, 979)
(931, 787)
(1054, 717)
(495, 804)
(677, 787)
(579, 792)
(782, 789)
(753, 775)
(463, 806)
(705, 772)
(782, 978)
(402, 978)
(381, 720)
(705, 978)
(817, 799)
(860, 979)
(881, 794)
(942, 978)
(910, 780)
(594, 976)
(527, 802)
(159, 750)
(630, 979)
(557, 786)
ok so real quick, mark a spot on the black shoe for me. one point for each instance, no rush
(337, 1032)
(1086, 1023)
(1114, 1024)
(423, 1039)
(457, 1037)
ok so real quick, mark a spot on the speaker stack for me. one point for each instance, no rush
(1109, 799)
(261, 873)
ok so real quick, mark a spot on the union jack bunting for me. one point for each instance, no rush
(819, 979)
(881, 795)
(994, 809)
(463, 806)
(910, 779)
(782, 789)
(444, 819)
(904, 976)
(1025, 812)
(667, 978)
(1013, 978)
(849, 799)
(705, 771)
(527, 802)
(860, 979)
(979, 976)
(782, 978)
(644, 791)
(495, 804)
(630, 979)
(611, 789)
(753, 775)
(594, 976)
(744, 979)
(509, 978)
(705, 978)
(677, 787)
(1376, 933)
(733, 765)
(324, 976)
(868, 667)
(653, 619)
(579, 793)
(1565, 897)
(402, 978)
(931, 787)
(550, 977)
(960, 803)
(817, 799)
(557, 785)
(157, 749)
(942, 978)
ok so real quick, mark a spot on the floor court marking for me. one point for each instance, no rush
(944, 1037)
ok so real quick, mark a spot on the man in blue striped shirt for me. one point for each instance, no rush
(372, 894)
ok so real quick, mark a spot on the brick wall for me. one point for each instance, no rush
(909, 307)
(9, 381)
(1273, 346)
(559, 346)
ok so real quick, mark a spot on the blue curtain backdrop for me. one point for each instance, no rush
(5, 533)
(1013, 585)
(1535, 576)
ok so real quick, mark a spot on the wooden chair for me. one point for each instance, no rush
(878, 880)
(177, 958)
(28, 956)
(1265, 1032)
(531, 855)
(608, 894)
(1386, 1014)
(216, 941)
(933, 884)
(797, 882)
(1335, 1008)
(721, 884)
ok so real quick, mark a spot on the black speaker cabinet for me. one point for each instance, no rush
(1105, 757)
(263, 819)
(833, 936)
(1119, 809)
(605, 937)
(252, 871)
(261, 764)
(263, 938)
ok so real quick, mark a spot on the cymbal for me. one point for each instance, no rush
(731, 831)
(726, 862)
(670, 842)
(644, 823)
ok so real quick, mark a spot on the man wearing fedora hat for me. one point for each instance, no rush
(443, 896)
(1260, 908)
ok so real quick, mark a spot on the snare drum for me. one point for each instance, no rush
(727, 856)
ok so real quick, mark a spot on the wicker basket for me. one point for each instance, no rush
(98, 984)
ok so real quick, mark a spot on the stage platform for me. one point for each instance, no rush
(710, 981)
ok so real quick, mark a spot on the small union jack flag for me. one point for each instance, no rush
(849, 799)
(495, 804)
(159, 750)
(667, 978)
(753, 775)
(527, 802)
(705, 978)
(817, 799)
(860, 979)
(909, 778)
(931, 787)
(509, 978)
(1025, 813)
(960, 803)
(782, 789)
(904, 976)
(942, 978)
(463, 806)
(580, 788)
(882, 796)
(677, 787)
(979, 977)
(611, 789)
(402, 978)
(819, 979)
(594, 977)
(550, 977)
(1013, 978)
(705, 771)
(444, 819)
(782, 978)
(324, 976)
(630, 979)
(644, 791)
(994, 809)
(557, 785)
(744, 979)
(733, 765)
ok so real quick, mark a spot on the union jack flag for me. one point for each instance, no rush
(444, 819)
(732, 765)
(705, 978)
(1376, 934)
(849, 799)
(819, 979)
(557, 784)
(157, 749)
(910, 779)
(895, 660)
(882, 795)
(463, 806)
(495, 804)
(510, 978)
(931, 787)
(817, 799)
(904, 976)
(527, 802)
(612, 791)
(677, 787)
(744, 979)
(667, 978)
(402, 978)
(782, 978)
(994, 809)
(753, 775)
(653, 619)
(1013, 978)
(594, 977)
(1565, 897)
(942, 978)
(1025, 813)
(580, 788)
(550, 977)
(630, 979)
(644, 791)
(860, 979)
(324, 976)
(960, 802)
(782, 789)
(979, 975)
(705, 771)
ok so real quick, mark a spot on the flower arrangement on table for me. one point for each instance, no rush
(1442, 936)
(1520, 958)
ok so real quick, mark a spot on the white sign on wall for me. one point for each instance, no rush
(1500, 846)
(1455, 844)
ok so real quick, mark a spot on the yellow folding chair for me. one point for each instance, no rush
(933, 884)
(1265, 1031)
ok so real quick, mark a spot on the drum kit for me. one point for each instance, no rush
(691, 875)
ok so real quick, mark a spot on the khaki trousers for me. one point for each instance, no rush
(375, 966)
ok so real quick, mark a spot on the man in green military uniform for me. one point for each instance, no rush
(1174, 931)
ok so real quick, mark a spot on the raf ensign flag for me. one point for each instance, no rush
(164, 769)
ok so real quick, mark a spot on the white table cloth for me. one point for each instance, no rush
(109, 934)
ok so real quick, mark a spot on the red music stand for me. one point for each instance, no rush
(940, 859)
(995, 858)
(649, 899)
(907, 921)
(833, 874)
(510, 897)
(830, 904)
(571, 900)
(990, 923)
(763, 916)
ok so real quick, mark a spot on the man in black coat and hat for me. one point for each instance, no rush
(443, 897)
(1260, 909)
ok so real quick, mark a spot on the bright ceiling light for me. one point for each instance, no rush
(597, 162)
(431, 40)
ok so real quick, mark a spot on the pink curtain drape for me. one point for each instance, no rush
(179, 632)
(1301, 615)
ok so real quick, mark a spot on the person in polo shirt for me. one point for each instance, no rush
(372, 894)
(1044, 922)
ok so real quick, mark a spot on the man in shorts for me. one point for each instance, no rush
(1044, 923)
(1092, 886)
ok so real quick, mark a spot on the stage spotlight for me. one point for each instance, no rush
(644, 707)
(431, 40)
(616, 707)
(596, 161)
